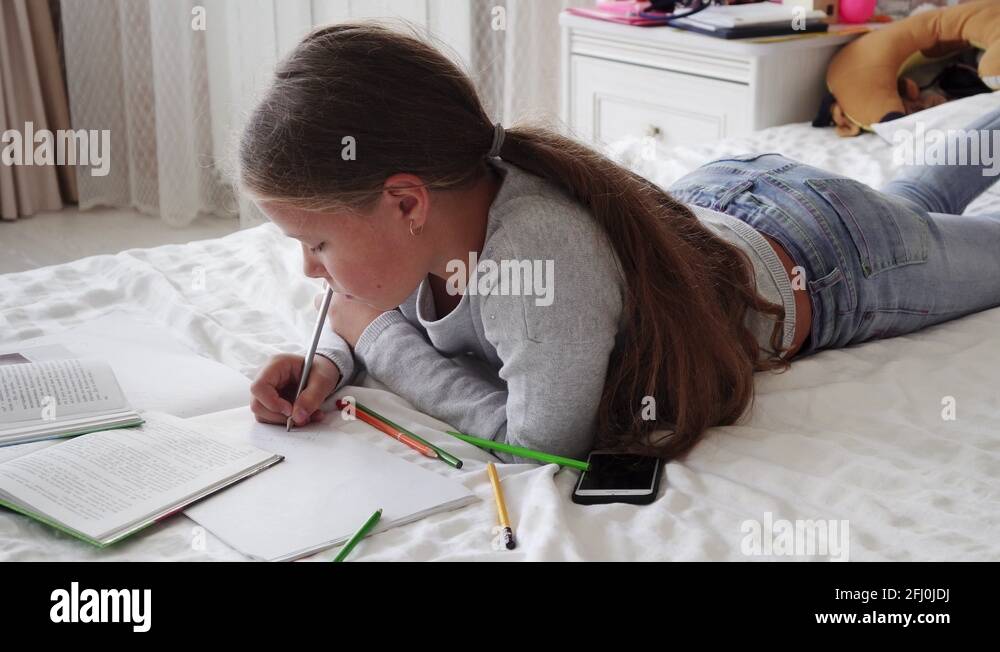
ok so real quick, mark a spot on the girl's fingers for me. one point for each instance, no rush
(265, 415)
(312, 397)
(267, 394)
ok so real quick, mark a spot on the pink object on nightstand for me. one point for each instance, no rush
(856, 11)
(618, 11)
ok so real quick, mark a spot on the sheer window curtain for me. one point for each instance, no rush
(516, 69)
(139, 69)
(175, 97)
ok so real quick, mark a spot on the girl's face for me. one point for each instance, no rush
(371, 258)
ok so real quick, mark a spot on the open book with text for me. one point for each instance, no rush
(59, 398)
(103, 486)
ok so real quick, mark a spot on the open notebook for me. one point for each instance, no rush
(59, 398)
(103, 486)
(328, 485)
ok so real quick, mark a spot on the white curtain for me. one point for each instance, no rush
(139, 69)
(517, 69)
(174, 96)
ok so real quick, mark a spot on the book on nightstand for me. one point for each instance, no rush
(753, 20)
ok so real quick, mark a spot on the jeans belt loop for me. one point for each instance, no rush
(731, 194)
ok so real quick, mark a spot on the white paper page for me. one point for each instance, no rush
(327, 487)
(32, 353)
(57, 389)
(155, 371)
(20, 450)
(103, 481)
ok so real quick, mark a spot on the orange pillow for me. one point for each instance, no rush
(862, 76)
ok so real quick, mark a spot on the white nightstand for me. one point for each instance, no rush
(680, 87)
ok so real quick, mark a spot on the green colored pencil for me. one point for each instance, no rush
(443, 455)
(359, 535)
(521, 452)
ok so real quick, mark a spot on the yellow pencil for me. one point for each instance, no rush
(508, 531)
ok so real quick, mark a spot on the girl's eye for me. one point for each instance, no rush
(318, 248)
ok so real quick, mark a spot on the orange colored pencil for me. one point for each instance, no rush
(401, 437)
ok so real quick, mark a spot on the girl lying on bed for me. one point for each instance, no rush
(374, 151)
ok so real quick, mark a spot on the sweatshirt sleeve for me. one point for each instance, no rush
(333, 347)
(554, 358)
(456, 390)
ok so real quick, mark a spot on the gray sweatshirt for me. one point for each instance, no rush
(523, 357)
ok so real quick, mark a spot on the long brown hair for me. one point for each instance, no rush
(409, 108)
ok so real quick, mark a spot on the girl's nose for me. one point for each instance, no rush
(311, 266)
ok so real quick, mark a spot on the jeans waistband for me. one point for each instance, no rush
(791, 208)
(770, 193)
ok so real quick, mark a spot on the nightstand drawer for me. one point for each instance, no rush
(613, 100)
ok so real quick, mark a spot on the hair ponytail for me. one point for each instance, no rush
(688, 293)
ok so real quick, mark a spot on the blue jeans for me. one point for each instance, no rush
(876, 264)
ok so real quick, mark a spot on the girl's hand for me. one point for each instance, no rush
(349, 318)
(274, 390)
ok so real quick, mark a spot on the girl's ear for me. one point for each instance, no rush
(407, 193)
(406, 204)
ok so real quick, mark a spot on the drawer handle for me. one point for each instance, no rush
(653, 131)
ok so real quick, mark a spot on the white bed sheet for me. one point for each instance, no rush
(853, 434)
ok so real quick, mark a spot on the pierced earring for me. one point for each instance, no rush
(418, 232)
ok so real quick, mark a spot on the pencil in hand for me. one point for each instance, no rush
(307, 366)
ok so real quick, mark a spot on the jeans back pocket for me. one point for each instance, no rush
(886, 231)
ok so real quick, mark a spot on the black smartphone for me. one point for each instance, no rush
(618, 478)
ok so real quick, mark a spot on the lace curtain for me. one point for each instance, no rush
(173, 94)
